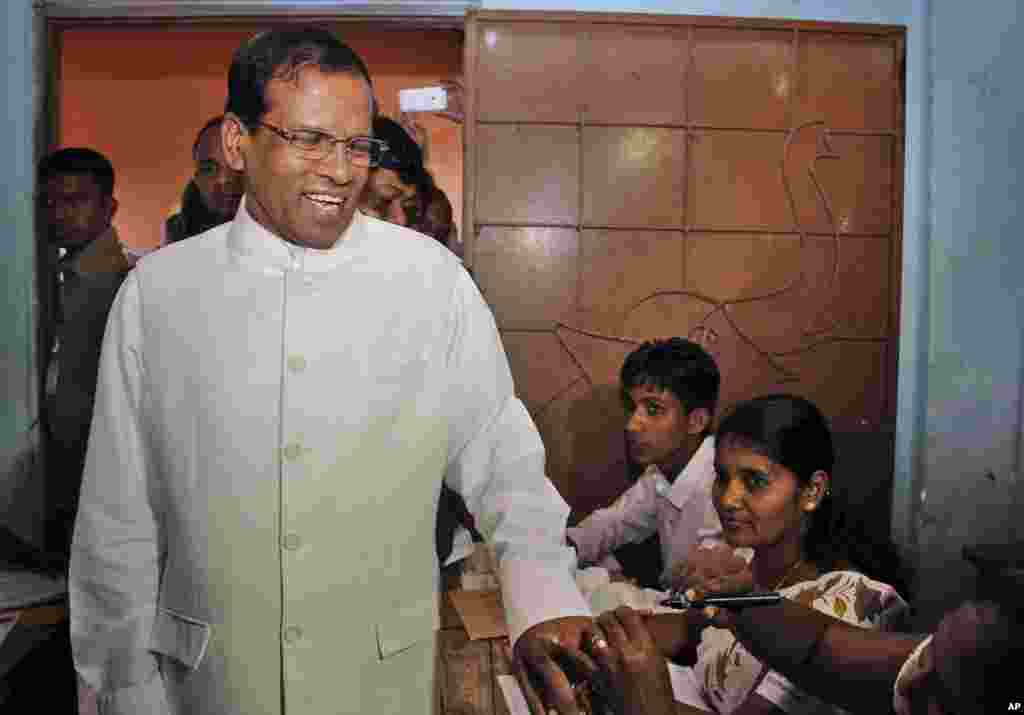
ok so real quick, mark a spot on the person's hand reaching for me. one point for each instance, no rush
(634, 675)
(713, 567)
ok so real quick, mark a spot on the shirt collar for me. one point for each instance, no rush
(251, 242)
(693, 479)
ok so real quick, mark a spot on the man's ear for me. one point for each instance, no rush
(816, 489)
(112, 209)
(235, 139)
(698, 420)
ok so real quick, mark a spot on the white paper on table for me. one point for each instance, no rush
(514, 698)
(685, 687)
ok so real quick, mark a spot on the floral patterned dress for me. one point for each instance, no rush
(726, 673)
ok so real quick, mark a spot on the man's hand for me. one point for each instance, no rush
(632, 665)
(549, 660)
(713, 567)
(955, 670)
(710, 568)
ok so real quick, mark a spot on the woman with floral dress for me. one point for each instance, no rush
(774, 493)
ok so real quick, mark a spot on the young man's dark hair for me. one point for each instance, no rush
(678, 365)
(280, 55)
(79, 160)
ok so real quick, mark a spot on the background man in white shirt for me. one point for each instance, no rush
(669, 388)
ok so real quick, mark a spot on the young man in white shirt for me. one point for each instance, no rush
(669, 389)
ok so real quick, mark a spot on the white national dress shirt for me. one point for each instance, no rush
(681, 512)
(272, 424)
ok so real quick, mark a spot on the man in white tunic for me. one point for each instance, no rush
(279, 399)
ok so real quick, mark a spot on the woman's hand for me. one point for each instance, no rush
(635, 674)
(713, 567)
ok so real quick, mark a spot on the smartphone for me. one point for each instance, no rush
(724, 600)
(423, 99)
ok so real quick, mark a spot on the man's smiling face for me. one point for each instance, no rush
(304, 201)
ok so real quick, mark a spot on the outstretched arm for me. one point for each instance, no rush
(852, 667)
(498, 467)
(114, 561)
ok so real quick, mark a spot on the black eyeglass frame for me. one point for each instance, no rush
(377, 146)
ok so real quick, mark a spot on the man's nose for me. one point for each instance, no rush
(337, 164)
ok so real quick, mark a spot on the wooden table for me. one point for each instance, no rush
(467, 670)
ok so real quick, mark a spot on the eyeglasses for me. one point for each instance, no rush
(363, 152)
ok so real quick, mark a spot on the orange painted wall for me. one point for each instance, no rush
(139, 94)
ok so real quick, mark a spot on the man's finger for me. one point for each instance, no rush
(522, 674)
(551, 679)
(609, 623)
(604, 655)
(632, 624)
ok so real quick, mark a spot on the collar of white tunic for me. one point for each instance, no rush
(251, 242)
(693, 480)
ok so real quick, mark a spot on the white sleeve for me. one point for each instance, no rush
(497, 465)
(630, 519)
(114, 561)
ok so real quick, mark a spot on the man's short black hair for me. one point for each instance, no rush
(79, 160)
(677, 365)
(280, 54)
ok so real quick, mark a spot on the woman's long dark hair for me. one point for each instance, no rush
(793, 433)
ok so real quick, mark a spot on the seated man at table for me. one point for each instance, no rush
(669, 388)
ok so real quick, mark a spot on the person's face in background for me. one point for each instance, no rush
(659, 429)
(388, 198)
(305, 201)
(219, 185)
(758, 500)
(75, 209)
